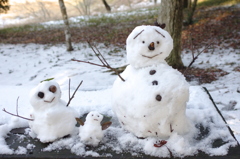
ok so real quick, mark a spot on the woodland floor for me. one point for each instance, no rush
(218, 26)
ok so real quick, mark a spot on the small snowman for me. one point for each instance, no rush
(151, 102)
(52, 119)
(91, 131)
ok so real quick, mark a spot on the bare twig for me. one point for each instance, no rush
(194, 58)
(88, 62)
(199, 53)
(17, 115)
(101, 59)
(17, 112)
(170, 152)
(219, 112)
(73, 93)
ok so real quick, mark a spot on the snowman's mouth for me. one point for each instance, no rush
(150, 57)
(49, 101)
(96, 119)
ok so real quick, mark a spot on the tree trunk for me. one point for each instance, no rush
(191, 12)
(66, 23)
(108, 8)
(155, 2)
(171, 13)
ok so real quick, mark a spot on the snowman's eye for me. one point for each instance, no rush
(143, 42)
(92, 114)
(52, 88)
(40, 94)
(158, 42)
(98, 116)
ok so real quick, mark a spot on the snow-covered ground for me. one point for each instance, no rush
(23, 66)
(226, 90)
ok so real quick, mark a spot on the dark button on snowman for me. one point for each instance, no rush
(52, 119)
(152, 100)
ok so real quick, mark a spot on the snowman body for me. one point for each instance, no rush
(152, 100)
(51, 118)
(91, 132)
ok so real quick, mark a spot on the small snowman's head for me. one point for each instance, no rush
(148, 45)
(45, 95)
(94, 117)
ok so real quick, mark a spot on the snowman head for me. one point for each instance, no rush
(148, 45)
(94, 117)
(47, 94)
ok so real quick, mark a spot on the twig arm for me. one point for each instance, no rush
(16, 115)
(118, 74)
(74, 93)
(97, 54)
(88, 62)
(101, 59)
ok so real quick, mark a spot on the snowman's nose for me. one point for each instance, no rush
(52, 88)
(151, 46)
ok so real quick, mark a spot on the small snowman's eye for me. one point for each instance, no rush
(143, 42)
(52, 88)
(158, 42)
(98, 116)
(40, 94)
(92, 114)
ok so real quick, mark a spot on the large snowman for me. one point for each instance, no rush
(52, 119)
(151, 102)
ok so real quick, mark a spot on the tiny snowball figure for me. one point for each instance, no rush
(91, 131)
(152, 99)
(52, 119)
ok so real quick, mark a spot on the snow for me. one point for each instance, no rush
(139, 41)
(138, 108)
(149, 102)
(51, 118)
(24, 66)
(91, 132)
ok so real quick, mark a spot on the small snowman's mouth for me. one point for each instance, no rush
(150, 57)
(49, 101)
(96, 119)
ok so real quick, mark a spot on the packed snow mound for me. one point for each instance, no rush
(52, 119)
(152, 99)
(91, 132)
(148, 104)
(148, 45)
(209, 135)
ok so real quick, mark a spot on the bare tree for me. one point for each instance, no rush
(37, 9)
(108, 8)
(171, 13)
(77, 5)
(83, 6)
(191, 10)
(43, 9)
(4, 6)
(66, 23)
(129, 3)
